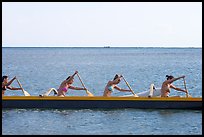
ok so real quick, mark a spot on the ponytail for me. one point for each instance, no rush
(68, 77)
(116, 76)
(169, 77)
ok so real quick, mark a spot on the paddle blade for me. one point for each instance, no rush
(89, 93)
(188, 96)
(26, 93)
(135, 95)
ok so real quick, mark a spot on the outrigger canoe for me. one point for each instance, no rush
(100, 102)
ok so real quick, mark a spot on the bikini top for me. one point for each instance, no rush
(64, 89)
(110, 88)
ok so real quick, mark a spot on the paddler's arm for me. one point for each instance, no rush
(178, 89)
(9, 83)
(120, 89)
(72, 76)
(174, 79)
(112, 82)
(76, 88)
(12, 88)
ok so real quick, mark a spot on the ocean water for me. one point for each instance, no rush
(39, 69)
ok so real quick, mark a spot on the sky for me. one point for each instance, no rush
(99, 24)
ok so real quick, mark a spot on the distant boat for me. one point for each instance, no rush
(106, 46)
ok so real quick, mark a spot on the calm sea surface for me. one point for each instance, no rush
(39, 69)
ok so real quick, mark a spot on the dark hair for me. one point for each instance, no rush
(4, 77)
(116, 76)
(169, 77)
(68, 77)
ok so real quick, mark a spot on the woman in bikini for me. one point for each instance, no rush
(6, 84)
(167, 84)
(111, 85)
(66, 84)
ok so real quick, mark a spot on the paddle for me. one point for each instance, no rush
(184, 81)
(87, 92)
(24, 92)
(130, 87)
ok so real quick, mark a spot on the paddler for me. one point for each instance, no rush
(112, 84)
(6, 84)
(167, 84)
(66, 84)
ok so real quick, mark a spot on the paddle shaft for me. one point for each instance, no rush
(184, 81)
(19, 84)
(81, 80)
(90, 94)
(129, 86)
(24, 92)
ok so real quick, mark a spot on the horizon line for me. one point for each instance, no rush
(91, 47)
